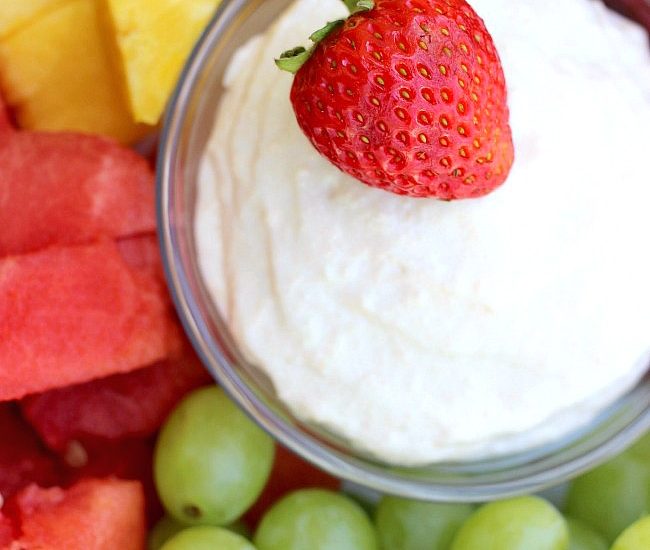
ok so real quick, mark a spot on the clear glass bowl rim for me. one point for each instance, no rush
(615, 429)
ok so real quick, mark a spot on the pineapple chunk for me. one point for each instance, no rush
(154, 38)
(58, 72)
(16, 13)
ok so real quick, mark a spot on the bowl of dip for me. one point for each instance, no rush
(445, 351)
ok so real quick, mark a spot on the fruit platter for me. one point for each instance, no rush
(420, 225)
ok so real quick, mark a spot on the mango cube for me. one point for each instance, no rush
(154, 38)
(59, 72)
(14, 14)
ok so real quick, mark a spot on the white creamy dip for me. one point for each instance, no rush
(422, 330)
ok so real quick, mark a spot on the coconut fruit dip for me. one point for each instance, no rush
(423, 330)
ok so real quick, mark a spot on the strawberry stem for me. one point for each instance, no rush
(359, 5)
(318, 35)
(293, 59)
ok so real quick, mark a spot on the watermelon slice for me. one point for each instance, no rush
(123, 459)
(93, 514)
(123, 405)
(65, 188)
(23, 459)
(6, 531)
(72, 314)
(142, 252)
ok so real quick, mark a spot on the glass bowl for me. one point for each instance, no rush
(187, 127)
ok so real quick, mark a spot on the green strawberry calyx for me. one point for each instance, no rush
(359, 5)
(291, 60)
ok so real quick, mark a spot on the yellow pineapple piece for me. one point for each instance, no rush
(16, 13)
(58, 72)
(154, 38)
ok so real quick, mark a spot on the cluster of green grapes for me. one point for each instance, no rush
(208, 473)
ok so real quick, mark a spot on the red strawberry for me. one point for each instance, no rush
(408, 96)
(637, 10)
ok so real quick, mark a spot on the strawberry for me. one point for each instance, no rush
(407, 96)
(637, 10)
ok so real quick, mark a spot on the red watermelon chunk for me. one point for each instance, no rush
(65, 188)
(72, 314)
(123, 459)
(6, 531)
(93, 514)
(122, 405)
(141, 252)
(23, 459)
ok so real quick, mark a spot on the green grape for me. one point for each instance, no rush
(582, 537)
(635, 537)
(414, 525)
(641, 449)
(211, 461)
(524, 523)
(165, 529)
(612, 496)
(364, 497)
(207, 538)
(315, 519)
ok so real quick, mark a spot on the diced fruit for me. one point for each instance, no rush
(141, 252)
(15, 15)
(154, 38)
(64, 188)
(416, 525)
(635, 537)
(318, 520)
(59, 73)
(6, 531)
(23, 460)
(211, 461)
(123, 459)
(132, 404)
(71, 314)
(207, 538)
(612, 496)
(93, 514)
(524, 523)
(581, 537)
(290, 472)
